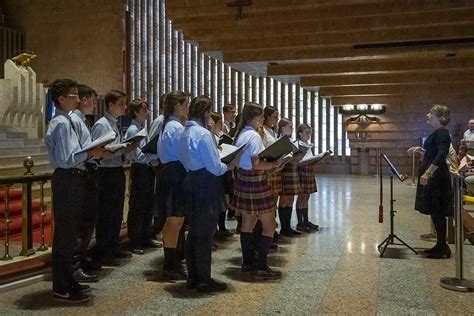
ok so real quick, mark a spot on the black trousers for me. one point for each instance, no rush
(68, 193)
(111, 194)
(202, 228)
(140, 211)
(88, 217)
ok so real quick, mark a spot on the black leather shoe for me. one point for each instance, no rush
(111, 262)
(121, 254)
(152, 244)
(191, 284)
(303, 228)
(138, 251)
(211, 287)
(71, 297)
(175, 275)
(266, 274)
(311, 225)
(82, 277)
(81, 288)
(440, 253)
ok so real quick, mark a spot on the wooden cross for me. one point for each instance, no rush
(239, 4)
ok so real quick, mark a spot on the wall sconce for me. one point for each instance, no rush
(362, 112)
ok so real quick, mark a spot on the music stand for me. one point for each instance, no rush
(392, 237)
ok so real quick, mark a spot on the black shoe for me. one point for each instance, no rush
(81, 288)
(211, 287)
(214, 247)
(440, 253)
(191, 284)
(152, 244)
(303, 228)
(431, 250)
(248, 268)
(311, 225)
(138, 251)
(71, 298)
(91, 265)
(223, 234)
(266, 274)
(295, 232)
(121, 254)
(111, 262)
(82, 277)
(276, 238)
(288, 233)
(273, 246)
(175, 275)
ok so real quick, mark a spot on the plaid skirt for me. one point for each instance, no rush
(290, 180)
(169, 198)
(307, 179)
(252, 195)
(274, 182)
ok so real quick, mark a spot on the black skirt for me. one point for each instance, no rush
(169, 198)
(227, 182)
(203, 193)
(437, 197)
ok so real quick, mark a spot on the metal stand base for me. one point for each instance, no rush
(390, 240)
(457, 285)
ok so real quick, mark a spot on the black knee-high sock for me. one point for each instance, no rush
(300, 216)
(170, 259)
(221, 223)
(246, 242)
(239, 224)
(283, 215)
(305, 215)
(263, 247)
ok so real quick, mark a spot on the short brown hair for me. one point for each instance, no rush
(228, 107)
(216, 117)
(112, 96)
(442, 113)
(135, 106)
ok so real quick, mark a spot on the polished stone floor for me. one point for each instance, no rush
(335, 271)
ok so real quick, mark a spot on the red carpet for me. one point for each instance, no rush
(15, 208)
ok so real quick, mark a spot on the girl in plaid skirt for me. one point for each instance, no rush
(290, 186)
(252, 197)
(307, 182)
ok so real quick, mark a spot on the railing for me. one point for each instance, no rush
(26, 181)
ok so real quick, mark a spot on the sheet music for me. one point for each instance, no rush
(99, 142)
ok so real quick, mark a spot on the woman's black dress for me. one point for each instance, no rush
(436, 198)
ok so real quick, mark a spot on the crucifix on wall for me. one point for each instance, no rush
(239, 4)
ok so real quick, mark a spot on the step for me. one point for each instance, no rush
(15, 226)
(13, 135)
(4, 128)
(16, 207)
(13, 143)
(24, 151)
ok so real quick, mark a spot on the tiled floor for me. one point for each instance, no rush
(337, 270)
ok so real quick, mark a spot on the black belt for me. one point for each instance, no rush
(71, 171)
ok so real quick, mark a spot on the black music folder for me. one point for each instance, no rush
(281, 147)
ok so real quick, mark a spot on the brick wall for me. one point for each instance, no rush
(80, 39)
